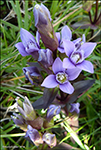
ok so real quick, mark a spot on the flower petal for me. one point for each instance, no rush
(21, 49)
(67, 63)
(60, 49)
(26, 37)
(58, 36)
(86, 65)
(57, 65)
(68, 47)
(38, 37)
(77, 41)
(46, 11)
(88, 48)
(73, 73)
(67, 88)
(66, 33)
(50, 82)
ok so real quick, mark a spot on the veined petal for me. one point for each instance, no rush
(73, 73)
(21, 49)
(68, 64)
(86, 65)
(50, 82)
(67, 88)
(68, 47)
(88, 48)
(57, 65)
(26, 37)
(66, 33)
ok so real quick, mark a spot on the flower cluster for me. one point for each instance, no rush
(31, 123)
(61, 71)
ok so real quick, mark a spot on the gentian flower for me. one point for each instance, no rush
(45, 57)
(76, 56)
(44, 26)
(75, 107)
(28, 46)
(52, 111)
(50, 139)
(61, 77)
(26, 109)
(34, 135)
(30, 72)
(65, 34)
(19, 121)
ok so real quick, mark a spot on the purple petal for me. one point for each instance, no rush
(21, 49)
(67, 88)
(58, 36)
(26, 37)
(88, 48)
(60, 49)
(38, 37)
(67, 63)
(50, 82)
(46, 11)
(68, 47)
(83, 38)
(77, 41)
(75, 107)
(73, 73)
(33, 133)
(57, 65)
(21, 110)
(86, 65)
(66, 33)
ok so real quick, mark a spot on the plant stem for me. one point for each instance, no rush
(90, 17)
(96, 13)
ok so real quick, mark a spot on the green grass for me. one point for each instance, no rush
(21, 15)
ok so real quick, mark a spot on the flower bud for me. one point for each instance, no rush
(34, 135)
(26, 109)
(52, 111)
(75, 107)
(45, 57)
(50, 139)
(31, 72)
(19, 121)
(44, 26)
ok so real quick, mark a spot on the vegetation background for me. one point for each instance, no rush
(82, 17)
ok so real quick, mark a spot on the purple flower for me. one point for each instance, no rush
(76, 55)
(52, 111)
(28, 46)
(26, 109)
(66, 34)
(50, 139)
(61, 77)
(44, 26)
(30, 72)
(75, 107)
(45, 57)
(34, 135)
(19, 121)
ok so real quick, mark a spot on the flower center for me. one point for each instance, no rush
(76, 58)
(61, 77)
(30, 45)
